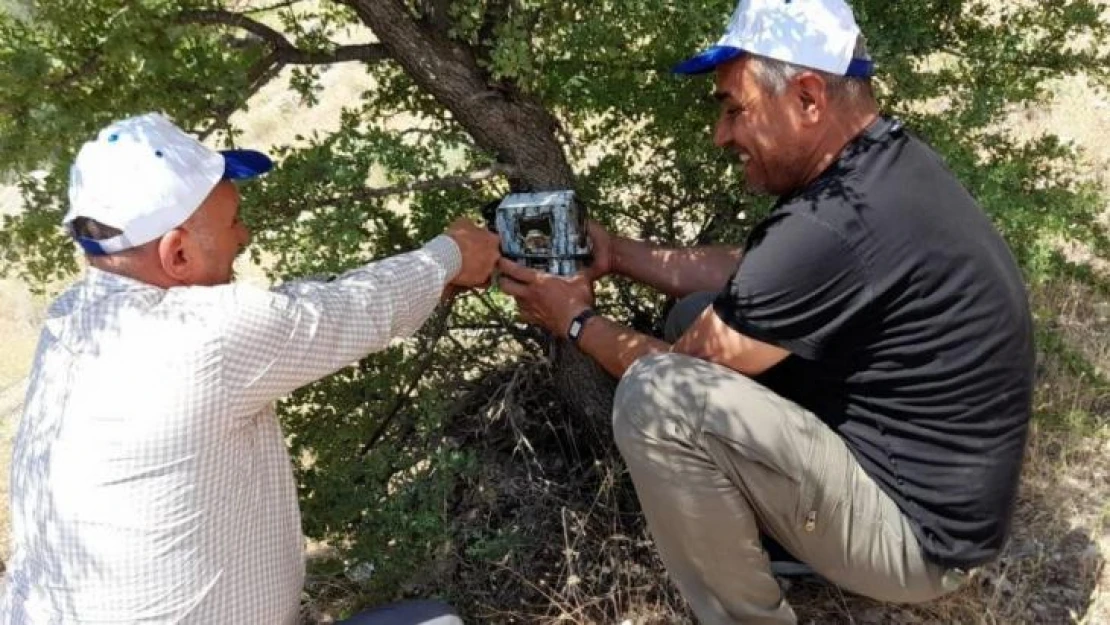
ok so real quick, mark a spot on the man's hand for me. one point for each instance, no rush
(480, 250)
(601, 248)
(544, 299)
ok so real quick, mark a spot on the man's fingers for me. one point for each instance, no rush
(517, 272)
(527, 316)
(511, 286)
(450, 292)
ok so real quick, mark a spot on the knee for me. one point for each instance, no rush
(656, 390)
(678, 398)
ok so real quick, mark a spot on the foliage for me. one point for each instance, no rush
(637, 137)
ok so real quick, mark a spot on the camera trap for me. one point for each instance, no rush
(544, 231)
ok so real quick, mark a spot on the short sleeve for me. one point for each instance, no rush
(798, 285)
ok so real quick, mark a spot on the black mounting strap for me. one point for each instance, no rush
(512, 256)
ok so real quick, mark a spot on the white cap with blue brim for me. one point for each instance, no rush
(818, 34)
(144, 176)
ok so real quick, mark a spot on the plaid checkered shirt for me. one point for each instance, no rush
(150, 480)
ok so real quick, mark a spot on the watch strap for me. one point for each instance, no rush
(579, 323)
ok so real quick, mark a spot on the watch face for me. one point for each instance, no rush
(575, 329)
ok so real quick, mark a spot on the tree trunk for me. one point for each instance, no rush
(519, 130)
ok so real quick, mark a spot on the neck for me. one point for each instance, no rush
(135, 264)
(841, 129)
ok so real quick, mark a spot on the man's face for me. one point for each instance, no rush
(219, 235)
(762, 128)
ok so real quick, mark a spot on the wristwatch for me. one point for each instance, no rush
(579, 323)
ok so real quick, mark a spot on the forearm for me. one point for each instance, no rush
(616, 347)
(394, 296)
(304, 330)
(677, 272)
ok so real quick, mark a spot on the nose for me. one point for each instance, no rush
(722, 132)
(244, 235)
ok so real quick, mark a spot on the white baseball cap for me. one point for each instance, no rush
(145, 176)
(819, 34)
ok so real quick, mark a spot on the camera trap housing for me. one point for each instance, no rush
(544, 231)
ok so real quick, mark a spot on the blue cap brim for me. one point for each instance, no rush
(860, 68)
(244, 164)
(707, 60)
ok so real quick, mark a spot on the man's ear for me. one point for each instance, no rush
(812, 97)
(175, 255)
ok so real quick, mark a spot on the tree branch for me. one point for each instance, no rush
(496, 12)
(287, 53)
(272, 7)
(88, 68)
(515, 127)
(365, 52)
(437, 14)
(228, 18)
(282, 53)
(261, 73)
(529, 337)
(434, 184)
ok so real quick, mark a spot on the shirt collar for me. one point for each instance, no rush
(92, 293)
(99, 284)
(881, 130)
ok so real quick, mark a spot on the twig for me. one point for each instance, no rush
(529, 337)
(439, 327)
(282, 53)
(258, 76)
(286, 52)
(434, 184)
(88, 68)
(272, 7)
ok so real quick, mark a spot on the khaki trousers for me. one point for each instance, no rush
(716, 458)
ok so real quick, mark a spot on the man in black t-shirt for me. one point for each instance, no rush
(857, 384)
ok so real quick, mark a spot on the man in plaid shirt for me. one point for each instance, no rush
(150, 479)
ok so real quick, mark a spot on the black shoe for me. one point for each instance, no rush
(791, 569)
(783, 563)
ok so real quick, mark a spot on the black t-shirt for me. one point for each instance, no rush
(909, 331)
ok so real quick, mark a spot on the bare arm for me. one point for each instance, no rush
(552, 301)
(675, 271)
(616, 347)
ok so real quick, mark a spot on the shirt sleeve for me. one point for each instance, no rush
(277, 341)
(799, 283)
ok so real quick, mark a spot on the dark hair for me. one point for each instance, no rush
(85, 228)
